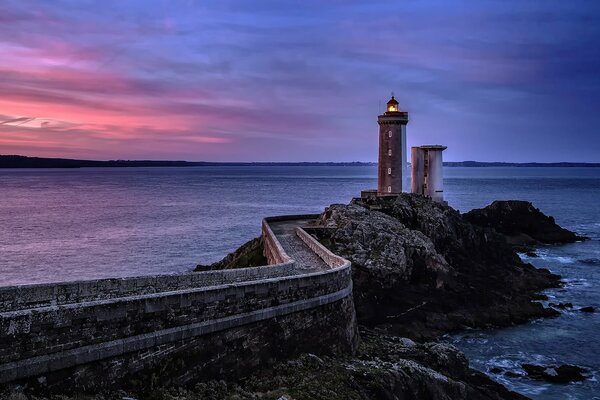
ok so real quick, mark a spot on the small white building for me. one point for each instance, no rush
(427, 171)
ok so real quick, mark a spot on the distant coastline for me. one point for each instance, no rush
(15, 161)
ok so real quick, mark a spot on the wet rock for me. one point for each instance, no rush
(531, 254)
(421, 269)
(561, 306)
(496, 370)
(512, 374)
(587, 309)
(203, 267)
(521, 223)
(555, 374)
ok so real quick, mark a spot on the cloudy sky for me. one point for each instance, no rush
(298, 80)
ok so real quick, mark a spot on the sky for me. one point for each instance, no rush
(277, 80)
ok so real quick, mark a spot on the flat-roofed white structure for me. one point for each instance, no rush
(427, 171)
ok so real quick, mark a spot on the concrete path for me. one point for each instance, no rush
(306, 259)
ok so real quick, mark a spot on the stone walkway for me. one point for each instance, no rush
(306, 259)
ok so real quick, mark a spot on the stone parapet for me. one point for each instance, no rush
(75, 328)
(56, 294)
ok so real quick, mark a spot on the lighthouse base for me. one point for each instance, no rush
(372, 193)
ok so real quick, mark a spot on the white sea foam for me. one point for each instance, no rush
(559, 259)
(576, 282)
(548, 255)
(503, 362)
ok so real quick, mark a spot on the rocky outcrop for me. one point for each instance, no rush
(521, 223)
(421, 269)
(385, 368)
(561, 306)
(555, 373)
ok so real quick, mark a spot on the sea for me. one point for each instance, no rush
(72, 224)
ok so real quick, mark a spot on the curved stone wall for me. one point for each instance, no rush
(55, 294)
(78, 326)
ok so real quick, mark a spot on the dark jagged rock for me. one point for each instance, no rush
(561, 306)
(521, 223)
(587, 309)
(385, 368)
(555, 374)
(421, 269)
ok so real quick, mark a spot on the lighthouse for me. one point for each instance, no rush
(392, 177)
(427, 171)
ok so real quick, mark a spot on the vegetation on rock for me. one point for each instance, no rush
(250, 254)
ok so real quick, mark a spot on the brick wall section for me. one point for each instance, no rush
(78, 325)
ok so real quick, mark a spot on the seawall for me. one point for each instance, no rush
(181, 327)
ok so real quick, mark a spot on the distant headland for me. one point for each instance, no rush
(16, 161)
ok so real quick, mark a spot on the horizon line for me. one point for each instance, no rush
(58, 159)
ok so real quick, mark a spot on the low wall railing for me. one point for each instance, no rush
(272, 249)
(326, 255)
(55, 294)
(45, 328)
(22, 297)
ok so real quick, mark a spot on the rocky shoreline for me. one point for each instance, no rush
(420, 269)
(522, 225)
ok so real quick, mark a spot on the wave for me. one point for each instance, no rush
(589, 261)
(512, 363)
(576, 282)
(558, 259)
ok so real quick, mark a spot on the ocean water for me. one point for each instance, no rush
(58, 225)
(573, 198)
